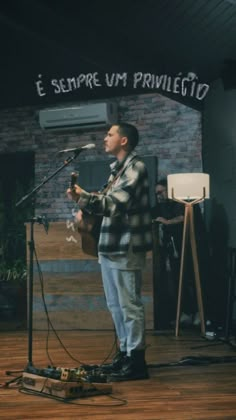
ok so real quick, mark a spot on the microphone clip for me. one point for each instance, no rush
(42, 220)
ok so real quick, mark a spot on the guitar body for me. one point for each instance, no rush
(88, 225)
(90, 238)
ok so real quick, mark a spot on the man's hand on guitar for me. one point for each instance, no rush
(74, 193)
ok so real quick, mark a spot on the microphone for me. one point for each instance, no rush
(78, 149)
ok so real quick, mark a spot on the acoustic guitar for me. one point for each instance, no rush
(88, 226)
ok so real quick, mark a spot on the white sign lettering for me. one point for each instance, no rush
(180, 85)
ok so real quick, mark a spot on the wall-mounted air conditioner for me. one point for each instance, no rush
(78, 117)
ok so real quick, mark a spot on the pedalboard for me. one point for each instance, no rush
(65, 382)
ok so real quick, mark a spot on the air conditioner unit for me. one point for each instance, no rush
(75, 117)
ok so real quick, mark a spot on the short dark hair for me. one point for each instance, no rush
(129, 131)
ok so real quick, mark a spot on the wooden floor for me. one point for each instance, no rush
(177, 389)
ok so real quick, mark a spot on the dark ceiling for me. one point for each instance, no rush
(51, 40)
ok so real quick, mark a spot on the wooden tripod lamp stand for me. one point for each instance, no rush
(189, 189)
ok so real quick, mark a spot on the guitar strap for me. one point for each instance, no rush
(108, 186)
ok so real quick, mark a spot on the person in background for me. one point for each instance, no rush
(125, 237)
(170, 216)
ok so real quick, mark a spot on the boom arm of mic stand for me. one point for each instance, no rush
(31, 258)
(69, 160)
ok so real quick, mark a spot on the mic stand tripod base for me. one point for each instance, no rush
(17, 380)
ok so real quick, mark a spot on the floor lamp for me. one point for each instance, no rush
(189, 189)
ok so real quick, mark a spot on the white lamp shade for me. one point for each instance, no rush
(188, 186)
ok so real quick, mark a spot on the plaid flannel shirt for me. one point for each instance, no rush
(125, 208)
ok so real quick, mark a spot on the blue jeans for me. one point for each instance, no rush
(123, 296)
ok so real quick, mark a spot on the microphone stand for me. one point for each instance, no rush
(67, 161)
(31, 245)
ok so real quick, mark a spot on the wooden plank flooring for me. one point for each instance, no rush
(174, 390)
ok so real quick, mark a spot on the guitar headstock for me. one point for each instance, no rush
(73, 180)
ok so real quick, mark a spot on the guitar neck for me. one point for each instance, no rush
(73, 180)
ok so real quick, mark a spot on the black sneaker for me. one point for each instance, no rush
(134, 367)
(116, 363)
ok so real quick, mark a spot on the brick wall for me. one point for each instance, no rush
(168, 130)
